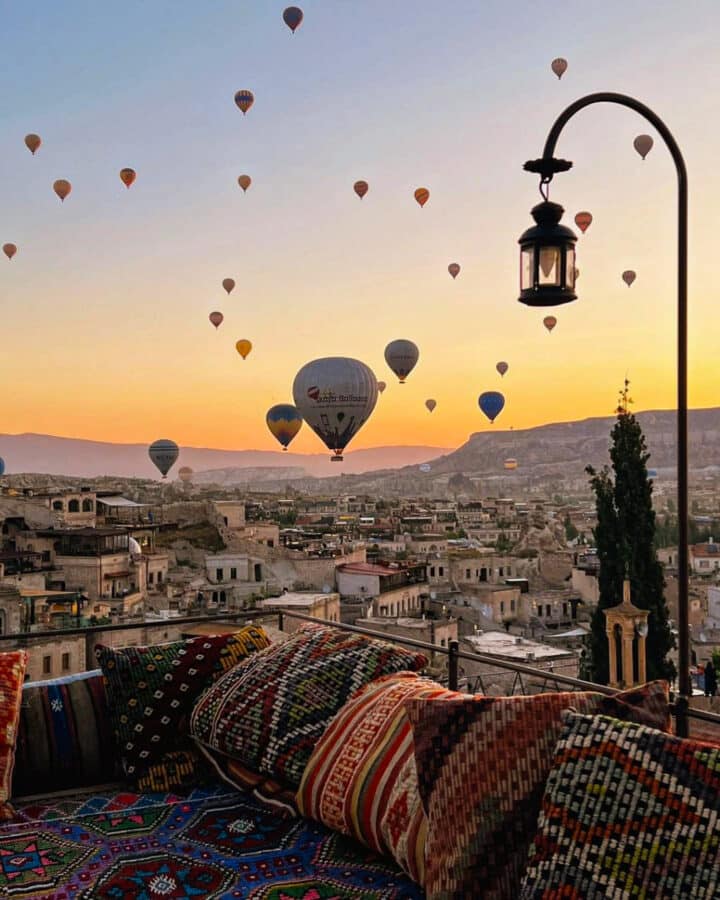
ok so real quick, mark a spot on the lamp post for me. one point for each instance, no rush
(547, 278)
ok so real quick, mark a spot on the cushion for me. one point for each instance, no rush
(12, 676)
(628, 811)
(482, 766)
(65, 739)
(151, 692)
(351, 782)
(270, 710)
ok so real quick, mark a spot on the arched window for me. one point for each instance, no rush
(74, 506)
(617, 640)
(87, 506)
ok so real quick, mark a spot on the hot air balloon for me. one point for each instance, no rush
(228, 284)
(422, 195)
(216, 318)
(628, 276)
(510, 464)
(185, 474)
(454, 269)
(128, 176)
(549, 322)
(293, 17)
(62, 188)
(361, 188)
(425, 467)
(502, 367)
(559, 66)
(244, 100)
(163, 453)
(583, 220)
(402, 357)
(243, 347)
(431, 404)
(2, 466)
(244, 181)
(32, 142)
(576, 273)
(491, 403)
(381, 386)
(9, 250)
(284, 422)
(335, 396)
(643, 143)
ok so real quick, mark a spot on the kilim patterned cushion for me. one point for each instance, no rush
(151, 692)
(65, 739)
(270, 711)
(628, 812)
(12, 675)
(351, 779)
(482, 766)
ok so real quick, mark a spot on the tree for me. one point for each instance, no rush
(624, 538)
(571, 531)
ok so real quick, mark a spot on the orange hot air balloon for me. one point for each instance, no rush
(216, 318)
(244, 181)
(62, 188)
(422, 195)
(228, 284)
(549, 322)
(128, 176)
(9, 250)
(244, 100)
(583, 220)
(454, 270)
(361, 188)
(559, 66)
(32, 142)
(243, 347)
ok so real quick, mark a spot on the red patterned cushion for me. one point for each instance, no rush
(12, 676)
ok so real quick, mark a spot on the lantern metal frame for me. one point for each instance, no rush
(536, 288)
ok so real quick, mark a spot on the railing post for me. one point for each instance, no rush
(281, 620)
(453, 660)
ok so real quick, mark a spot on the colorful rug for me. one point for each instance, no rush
(214, 843)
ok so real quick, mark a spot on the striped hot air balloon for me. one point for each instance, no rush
(284, 421)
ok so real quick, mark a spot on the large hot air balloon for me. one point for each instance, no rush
(228, 284)
(361, 188)
(559, 66)
(62, 188)
(381, 386)
(2, 466)
(293, 17)
(502, 367)
(422, 195)
(32, 142)
(583, 220)
(244, 181)
(628, 276)
(9, 250)
(491, 403)
(185, 474)
(243, 347)
(284, 422)
(244, 100)
(402, 357)
(335, 396)
(510, 464)
(216, 318)
(549, 322)
(128, 176)
(431, 404)
(163, 453)
(454, 269)
(643, 143)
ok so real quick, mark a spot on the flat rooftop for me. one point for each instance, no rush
(499, 643)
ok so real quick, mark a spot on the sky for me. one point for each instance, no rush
(103, 311)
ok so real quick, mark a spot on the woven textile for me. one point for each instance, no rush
(271, 710)
(12, 675)
(151, 692)
(482, 766)
(628, 812)
(351, 779)
(65, 738)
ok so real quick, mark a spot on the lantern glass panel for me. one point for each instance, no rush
(527, 262)
(549, 270)
(570, 270)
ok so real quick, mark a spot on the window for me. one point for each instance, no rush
(233, 574)
(74, 506)
(151, 577)
(548, 611)
(432, 571)
(512, 605)
(159, 577)
(441, 571)
(57, 504)
(442, 642)
(501, 571)
(467, 573)
(218, 574)
(258, 572)
(66, 662)
(502, 606)
(271, 543)
(539, 610)
(87, 506)
(565, 609)
(47, 665)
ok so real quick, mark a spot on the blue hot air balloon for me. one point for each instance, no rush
(491, 403)
(2, 466)
(284, 422)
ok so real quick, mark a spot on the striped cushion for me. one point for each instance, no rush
(361, 778)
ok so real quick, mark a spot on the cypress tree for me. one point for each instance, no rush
(624, 538)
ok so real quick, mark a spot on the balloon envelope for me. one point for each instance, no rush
(293, 17)
(361, 188)
(431, 404)
(216, 318)
(243, 347)
(9, 250)
(163, 453)
(559, 66)
(422, 195)
(491, 403)
(335, 396)
(62, 188)
(128, 176)
(381, 386)
(2, 466)
(628, 276)
(549, 322)
(284, 422)
(244, 100)
(185, 474)
(502, 367)
(402, 357)
(454, 269)
(425, 467)
(32, 142)
(244, 181)
(510, 464)
(583, 220)
(228, 284)
(643, 143)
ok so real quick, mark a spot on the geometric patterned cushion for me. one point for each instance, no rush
(628, 811)
(12, 676)
(270, 711)
(151, 693)
(352, 775)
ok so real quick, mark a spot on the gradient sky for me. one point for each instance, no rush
(104, 330)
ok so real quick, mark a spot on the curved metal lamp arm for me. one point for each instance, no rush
(547, 167)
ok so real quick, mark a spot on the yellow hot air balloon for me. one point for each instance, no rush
(32, 142)
(62, 188)
(228, 284)
(9, 250)
(243, 347)
(128, 176)
(422, 195)
(244, 181)
(510, 464)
